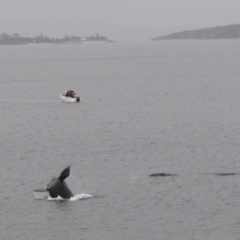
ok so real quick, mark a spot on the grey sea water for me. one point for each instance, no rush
(170, 106)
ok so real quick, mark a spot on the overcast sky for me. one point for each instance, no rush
(121, 20)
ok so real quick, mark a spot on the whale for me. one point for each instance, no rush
(170, 174)
(57, 187)
(162, 175)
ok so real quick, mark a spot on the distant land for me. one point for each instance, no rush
(220, 32)
(16, 39)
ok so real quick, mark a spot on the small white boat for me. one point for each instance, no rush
(70, 96)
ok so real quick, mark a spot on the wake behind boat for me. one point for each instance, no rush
(70, 96)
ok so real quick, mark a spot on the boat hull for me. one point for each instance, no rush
(70, 99)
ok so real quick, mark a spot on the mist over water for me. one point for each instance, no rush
(170, 106)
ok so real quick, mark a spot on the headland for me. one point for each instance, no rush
(220, 32)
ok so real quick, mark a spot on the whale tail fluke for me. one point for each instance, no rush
(65, 173)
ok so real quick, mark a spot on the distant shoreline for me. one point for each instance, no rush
(15, 39)
(214, 33)
(62, 43)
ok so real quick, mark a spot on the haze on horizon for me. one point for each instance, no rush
(125, 20)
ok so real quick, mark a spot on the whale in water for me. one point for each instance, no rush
(170, 174)
(162, 174)
(57, 187)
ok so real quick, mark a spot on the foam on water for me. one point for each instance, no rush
(46, 196)
(74, 198)
(81, 196)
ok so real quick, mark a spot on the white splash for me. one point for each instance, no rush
(81, 196)
(46, 196)
(74, 198)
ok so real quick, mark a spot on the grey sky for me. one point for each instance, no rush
(117, 19)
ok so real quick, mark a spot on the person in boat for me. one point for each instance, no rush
(70, 93)
(67, 93)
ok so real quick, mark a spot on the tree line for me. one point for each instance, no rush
(6, 39)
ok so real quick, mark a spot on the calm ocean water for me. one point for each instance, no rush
(170, 106)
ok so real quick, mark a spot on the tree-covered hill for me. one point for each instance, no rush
(220, 32)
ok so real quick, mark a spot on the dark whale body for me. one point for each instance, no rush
(58, 187)
(161, 174)
(225, 174)
(169, 174)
